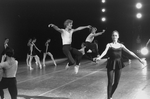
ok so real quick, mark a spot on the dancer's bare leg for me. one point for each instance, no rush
(30, 62)
(44, 57)
(27, 59)
(38, 61)
(52, 58)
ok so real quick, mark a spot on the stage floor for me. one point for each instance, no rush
(90, 83)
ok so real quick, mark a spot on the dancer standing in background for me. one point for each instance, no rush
(33, 54)
(28, 52)
(5, 46)
(48, 53)
(114, 62)
(66, 35)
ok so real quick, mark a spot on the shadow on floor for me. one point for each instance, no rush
(38, 97)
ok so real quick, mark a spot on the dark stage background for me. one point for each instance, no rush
(24, 19)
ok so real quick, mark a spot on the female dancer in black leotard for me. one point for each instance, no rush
(115, 63)
(28, 52)
(33, 54)
(48, 53)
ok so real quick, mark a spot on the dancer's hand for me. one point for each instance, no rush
(40, 51)
(96, 59)
(103, 31)
(143, 61)
(50, 25)
(89, 26)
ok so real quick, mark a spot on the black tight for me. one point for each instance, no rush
(113, 80)
(70, 52)
(11, 84)
(93, 47)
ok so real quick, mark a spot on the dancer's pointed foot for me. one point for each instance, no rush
(40, 66)
(129, 61)
(76, 68)
(31, 68)
(55, 64)
(44, 65)
(36, 63)
(67, 66)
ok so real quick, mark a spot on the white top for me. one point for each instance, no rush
(66, 36)
(90, 38)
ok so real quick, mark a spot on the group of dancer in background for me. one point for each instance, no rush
(32, 54)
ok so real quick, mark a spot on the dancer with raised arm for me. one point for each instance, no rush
(66, 35)
(90, 45)
(9, 81)
(5, 46)
(115, 63)
(33, 54)
(48, 53)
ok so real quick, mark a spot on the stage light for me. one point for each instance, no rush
(103, 19)
(103, 10)
(139, 15)
(103, 1)
(138, 5)
(144, 51)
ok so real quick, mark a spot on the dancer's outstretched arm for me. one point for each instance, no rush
(55, 27)
(81, 28)
(37, 48)
(133, 54)
(104, 52)
(99, 33)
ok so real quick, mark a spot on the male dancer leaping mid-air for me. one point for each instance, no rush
(66, 35)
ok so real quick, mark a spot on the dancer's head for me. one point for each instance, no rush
(48, 40)
(29, 41)
(68, 23)
(93, 30)
(82, 45)
(115, 36)
(34, 40)
(9, 52)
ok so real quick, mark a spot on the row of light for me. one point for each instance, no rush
(144, 50)
(103, 19)
(139, 6)
(138, 15)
